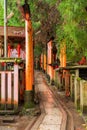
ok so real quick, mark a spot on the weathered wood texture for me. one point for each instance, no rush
(9, 88)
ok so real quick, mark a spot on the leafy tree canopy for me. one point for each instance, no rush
(62, 19)
(73, 26)
(17, 19)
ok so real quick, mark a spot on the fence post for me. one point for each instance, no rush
(16, 89)
(67, 82)
(81, 95)
(9, 91)
(75, 84)
(72, 76)
(3, 97)
(75, 91)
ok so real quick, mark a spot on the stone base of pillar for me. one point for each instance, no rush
(29, 98)
(52, 82)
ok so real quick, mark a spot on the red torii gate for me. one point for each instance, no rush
(29, 78)
(26, 33)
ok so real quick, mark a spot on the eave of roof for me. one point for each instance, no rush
(13, 31)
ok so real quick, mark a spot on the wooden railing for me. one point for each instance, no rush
(74, 86)
(9, 88)
(78, 92)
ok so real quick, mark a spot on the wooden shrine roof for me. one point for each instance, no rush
(15, 34)
(13, 31)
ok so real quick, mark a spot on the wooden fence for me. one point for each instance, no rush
(76, 87)
(9, 89)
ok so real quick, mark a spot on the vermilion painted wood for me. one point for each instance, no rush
(18, 50)
(63, 54)
(42, 60)
(9, 50)
(49, 58)
(45, 62)
(29, 54)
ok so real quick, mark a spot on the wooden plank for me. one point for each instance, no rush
(29, 56)
(9, 91)
(72, 85)
(72, 67)
(3, 100)
(15, 85)
(13, 31)
(67, 83)
(75, 91)
(10, 60)
(81, 95)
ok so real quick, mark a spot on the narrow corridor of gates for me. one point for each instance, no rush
(57, 111)
(54, 117)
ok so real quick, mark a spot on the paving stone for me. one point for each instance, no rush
(52, 119)
(54, 111)
(7, 128)
(49, 127)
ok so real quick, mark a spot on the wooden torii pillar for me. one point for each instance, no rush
(49, 59)
(63, 64)
(63, 54)
(29, 70)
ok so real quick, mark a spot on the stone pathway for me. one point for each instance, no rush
(7, 128)
(53, 114)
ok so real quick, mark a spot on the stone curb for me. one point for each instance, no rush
(64, 115)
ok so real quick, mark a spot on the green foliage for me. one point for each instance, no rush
(36, 25)
(17, 19)
(37, 50)
(73, 27)
(29, 105)
(51, 2)
(1, 13)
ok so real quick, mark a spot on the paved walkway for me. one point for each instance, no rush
(7, 128)
(53, 115)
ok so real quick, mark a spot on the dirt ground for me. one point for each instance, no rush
(20, 121)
